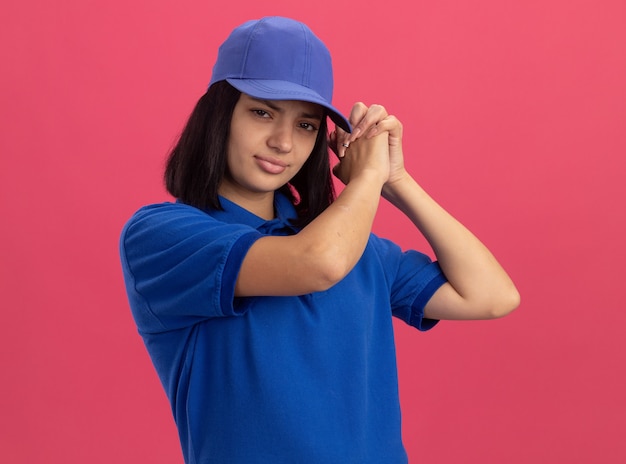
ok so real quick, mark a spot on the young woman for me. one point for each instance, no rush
(264, 302)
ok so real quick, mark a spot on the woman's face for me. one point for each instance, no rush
(269, 141)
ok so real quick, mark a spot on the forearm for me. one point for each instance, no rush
(321, 254)
(337, 238)
(484, 288)
(339, 235)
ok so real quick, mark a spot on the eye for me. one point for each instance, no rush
(261, 113)
(308, 126)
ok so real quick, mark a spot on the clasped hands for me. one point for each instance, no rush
(376, 140)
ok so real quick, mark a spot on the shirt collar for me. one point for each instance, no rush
(234, 214)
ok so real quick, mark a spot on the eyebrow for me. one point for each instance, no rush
(280, 110)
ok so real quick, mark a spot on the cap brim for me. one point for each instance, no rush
(284, 90)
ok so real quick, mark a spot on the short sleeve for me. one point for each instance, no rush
(414, 278)
(180, 265)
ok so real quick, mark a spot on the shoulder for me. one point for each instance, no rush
(383, 248)
(158, 227)
(173, 219)
(398, 261)
(164, 214)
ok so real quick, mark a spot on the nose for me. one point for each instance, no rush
(281, 138)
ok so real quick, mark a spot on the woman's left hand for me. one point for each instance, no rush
(369, 122)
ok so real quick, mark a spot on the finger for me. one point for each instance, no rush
(358, 112)
(343, 137)
(390, 124)
(359, 109)
(373, 115)
(342, 141)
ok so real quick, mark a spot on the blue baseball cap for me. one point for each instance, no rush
(277, 58)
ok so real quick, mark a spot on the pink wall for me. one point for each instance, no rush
(515, 120)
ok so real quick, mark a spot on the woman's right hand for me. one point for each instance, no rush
(365, 156)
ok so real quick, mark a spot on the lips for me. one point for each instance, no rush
(270, 165)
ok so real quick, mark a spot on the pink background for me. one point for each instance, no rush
(515, 120)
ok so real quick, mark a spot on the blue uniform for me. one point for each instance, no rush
(304, 379)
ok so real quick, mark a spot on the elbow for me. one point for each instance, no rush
(331, 274)
(505, 304)
(329, 268)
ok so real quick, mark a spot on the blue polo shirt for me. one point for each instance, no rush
(304, 379)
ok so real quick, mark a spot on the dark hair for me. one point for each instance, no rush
(197, 163)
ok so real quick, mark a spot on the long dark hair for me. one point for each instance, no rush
(197, 163)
